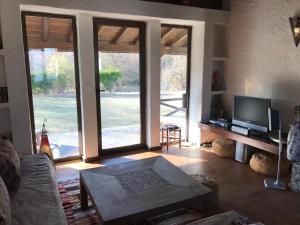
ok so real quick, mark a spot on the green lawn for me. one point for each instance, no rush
(61, 113)
(118, 110)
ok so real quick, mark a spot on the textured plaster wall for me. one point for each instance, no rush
(263, 60)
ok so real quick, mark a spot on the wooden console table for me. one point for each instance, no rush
(263, 144)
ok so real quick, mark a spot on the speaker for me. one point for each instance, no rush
(273, 119)
(243, 152)
(240, 152)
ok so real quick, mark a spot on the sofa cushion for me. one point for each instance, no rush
(4, 204)
(37, 197)
(9, 165)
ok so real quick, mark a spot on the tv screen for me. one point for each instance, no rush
(249, 110)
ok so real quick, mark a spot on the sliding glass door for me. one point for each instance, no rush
(175, 76)
(52, 72)
(120, 80)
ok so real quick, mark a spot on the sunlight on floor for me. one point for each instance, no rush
(177, 160)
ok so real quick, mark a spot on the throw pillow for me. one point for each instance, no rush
(9, 165)
(4, 205)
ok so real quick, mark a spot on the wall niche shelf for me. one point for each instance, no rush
(218, 70)
(5, 120)
(219, 58)
(221, 92)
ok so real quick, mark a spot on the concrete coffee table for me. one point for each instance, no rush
(130, 192)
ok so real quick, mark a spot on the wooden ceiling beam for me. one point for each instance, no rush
(117, 37)
(45, 34)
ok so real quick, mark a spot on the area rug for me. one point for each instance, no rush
(70, 196)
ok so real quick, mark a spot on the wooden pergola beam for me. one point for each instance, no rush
(165, 35)
(117, 48)
(178, 38)
(104, 46)
(136, 39)
(70, 36)
(117, 37)
(99, 28)
(45, 33)
(172, 51)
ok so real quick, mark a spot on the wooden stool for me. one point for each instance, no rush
(172, 132)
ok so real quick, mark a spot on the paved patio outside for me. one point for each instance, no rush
(65, 144)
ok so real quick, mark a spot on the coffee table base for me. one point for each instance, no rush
(83, 196)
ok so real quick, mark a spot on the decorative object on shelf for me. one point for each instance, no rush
(293, 151)
(216, 81)
(295, 25)
(45, 146)
(3, 95)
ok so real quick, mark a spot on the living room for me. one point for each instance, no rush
(154, 112)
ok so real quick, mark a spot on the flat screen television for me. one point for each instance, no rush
(251, 113)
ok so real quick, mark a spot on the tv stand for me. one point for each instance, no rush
(264, 143)
(258, 134)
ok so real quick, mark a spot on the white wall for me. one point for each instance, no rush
(196, 83)
(87, 86)
(153, 14)
(15, 75)
(153, 33)
(263, 60)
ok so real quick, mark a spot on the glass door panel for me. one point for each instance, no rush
(175, 69)
(120, 83)
(50, 48)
